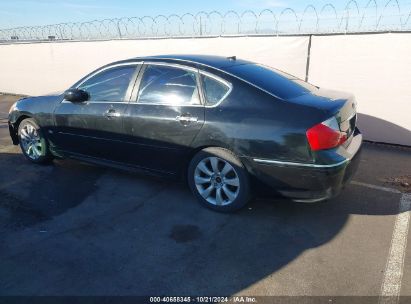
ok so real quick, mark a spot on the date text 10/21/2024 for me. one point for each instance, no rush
(234, 299)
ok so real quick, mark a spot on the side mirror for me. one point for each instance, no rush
(76, 95)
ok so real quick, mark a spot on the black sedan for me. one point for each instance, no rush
(218, 122)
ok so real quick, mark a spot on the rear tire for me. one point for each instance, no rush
(219, 180)
(32, 142)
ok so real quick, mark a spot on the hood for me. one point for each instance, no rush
(50, 97)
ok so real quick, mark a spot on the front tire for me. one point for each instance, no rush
(32, 142)
(219, 180)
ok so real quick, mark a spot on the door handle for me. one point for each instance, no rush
(111, 113)
(185, 119)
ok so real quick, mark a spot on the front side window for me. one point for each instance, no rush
(214, 90)
(168, 85)
(110, 85)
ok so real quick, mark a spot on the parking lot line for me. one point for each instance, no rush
(376, 187)
(7, 149)
(391, 285)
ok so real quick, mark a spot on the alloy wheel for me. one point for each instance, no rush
(217, 181)
(31, 141)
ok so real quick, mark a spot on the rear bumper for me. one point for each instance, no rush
(311, 182)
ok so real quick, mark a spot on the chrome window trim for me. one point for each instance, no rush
(105, 102)
(293, 164)
(221, 80)
(107, 68)
(225, 72)
(251, 84)
(166, 104)
(98, 72)
(173, 65)
(143, 61)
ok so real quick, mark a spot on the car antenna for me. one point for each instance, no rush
(232, 58)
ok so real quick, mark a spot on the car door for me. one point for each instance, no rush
(95, 128)
(164, 116)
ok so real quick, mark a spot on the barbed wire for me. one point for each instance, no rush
(371, 18)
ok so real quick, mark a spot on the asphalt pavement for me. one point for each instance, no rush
(75, 229)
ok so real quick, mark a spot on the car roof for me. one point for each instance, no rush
(233, 66)
(218, 62)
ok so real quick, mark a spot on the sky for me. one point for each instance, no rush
(14, 13)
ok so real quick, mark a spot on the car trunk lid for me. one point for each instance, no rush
(336, 104)
(345, 110)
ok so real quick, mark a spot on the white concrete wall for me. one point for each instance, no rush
(39, 68)
(376, 68)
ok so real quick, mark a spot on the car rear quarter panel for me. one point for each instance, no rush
(255, 124)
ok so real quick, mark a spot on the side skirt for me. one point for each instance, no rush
(117, 165)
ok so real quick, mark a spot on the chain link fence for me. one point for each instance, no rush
(373, 17)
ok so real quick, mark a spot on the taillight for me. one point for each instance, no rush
(325, 135)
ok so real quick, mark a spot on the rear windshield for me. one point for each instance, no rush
(274, 81)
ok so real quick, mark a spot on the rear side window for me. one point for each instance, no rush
(275, 82)
(214, 90)
(110, 85)
(168, 85)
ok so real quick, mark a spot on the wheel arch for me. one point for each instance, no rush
(15, 127)
(195, 150)
(21, 118)
(227, 199)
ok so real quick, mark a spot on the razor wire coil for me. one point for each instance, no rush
(311, 20)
